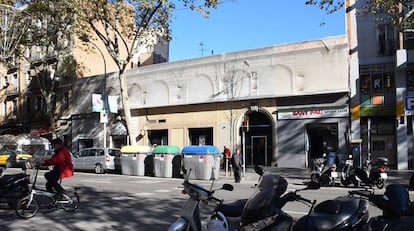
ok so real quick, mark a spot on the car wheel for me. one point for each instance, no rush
(98, 169)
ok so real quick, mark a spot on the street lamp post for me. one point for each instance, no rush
(87, 40)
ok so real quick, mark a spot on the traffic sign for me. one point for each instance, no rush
(409, 103)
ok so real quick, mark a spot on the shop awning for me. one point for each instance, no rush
(42, 131)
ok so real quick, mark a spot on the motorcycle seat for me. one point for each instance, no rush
(233, 209)
(324, 218)
(329, 206)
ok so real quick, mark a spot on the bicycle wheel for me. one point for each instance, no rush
(26, 208)
(69, 201)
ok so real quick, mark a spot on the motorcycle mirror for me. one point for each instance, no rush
(259, 170)
(227, 187)
(184, 170)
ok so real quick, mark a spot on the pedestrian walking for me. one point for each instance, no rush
(237, 163)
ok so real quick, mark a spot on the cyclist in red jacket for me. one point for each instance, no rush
(63, 167)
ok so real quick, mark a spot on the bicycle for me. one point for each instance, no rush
(28, 206)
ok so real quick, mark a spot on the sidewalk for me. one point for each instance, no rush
(394, 176)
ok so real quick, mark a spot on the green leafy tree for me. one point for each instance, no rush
(124, 25)
(47, 46)
(398, 12)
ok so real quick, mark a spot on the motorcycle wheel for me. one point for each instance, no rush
(380, 183)
(345, 182)
(26, 210)
(315, 177)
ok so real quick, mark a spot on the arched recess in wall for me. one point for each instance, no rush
(135, 96)
(199, 89)
(157, 94)
(275, 80)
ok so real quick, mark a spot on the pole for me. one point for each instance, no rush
(244, 154)
(369, 138)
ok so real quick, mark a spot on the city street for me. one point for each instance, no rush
(116, 202)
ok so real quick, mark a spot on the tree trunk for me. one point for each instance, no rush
(125, 104)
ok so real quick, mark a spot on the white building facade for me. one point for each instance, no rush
(295, 98)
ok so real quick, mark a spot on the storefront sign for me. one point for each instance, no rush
(314, 113)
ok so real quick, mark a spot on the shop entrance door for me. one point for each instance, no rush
(259, 150)
(320, 136)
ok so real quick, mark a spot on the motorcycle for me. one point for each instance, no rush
(231, 213)
(190, 213)
(395, 205)
(324, 170)
(348, 173)
(13, 187)
(373, 176)
(340, 214)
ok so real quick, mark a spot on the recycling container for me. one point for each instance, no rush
(137, 161)
(167, 161)
(204, 161)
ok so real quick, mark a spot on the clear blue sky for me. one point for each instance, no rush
(247, 24)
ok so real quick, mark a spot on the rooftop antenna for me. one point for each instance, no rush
(202, 48)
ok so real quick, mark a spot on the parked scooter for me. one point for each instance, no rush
(324, 170)
(375, 176)
(230, 213)
(340, 214)
(395, 205)
(190, 213)
(13, 187)
(348, 172)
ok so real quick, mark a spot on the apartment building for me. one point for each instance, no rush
(381, 79)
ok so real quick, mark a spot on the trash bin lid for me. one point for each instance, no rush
(167, 149)
(136, 149)
(206, 149)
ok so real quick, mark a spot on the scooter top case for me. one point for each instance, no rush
(339, 214)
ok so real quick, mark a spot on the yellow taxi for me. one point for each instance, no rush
(11, 158)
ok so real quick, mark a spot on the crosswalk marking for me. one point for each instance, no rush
(143, 194)
(162, 190)
(97, 181)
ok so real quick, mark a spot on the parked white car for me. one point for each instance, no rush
(99, 160)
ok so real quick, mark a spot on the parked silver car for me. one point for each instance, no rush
(99, 160)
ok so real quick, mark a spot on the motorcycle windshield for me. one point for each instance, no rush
(270, 180)
(265, 200)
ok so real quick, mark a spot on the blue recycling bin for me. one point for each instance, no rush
(204, 161)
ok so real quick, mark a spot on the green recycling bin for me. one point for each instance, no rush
(167, 161)
(137, 161)
(204, 161)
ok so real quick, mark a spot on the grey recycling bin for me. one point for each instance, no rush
(167, 161)
(204, 161)
(135, 160)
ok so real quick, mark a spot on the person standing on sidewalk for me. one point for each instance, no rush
(237, 163)
(227, 156)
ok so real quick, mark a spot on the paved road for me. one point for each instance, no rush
(116, 202)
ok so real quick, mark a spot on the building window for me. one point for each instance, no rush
(28, 105)
(66, 101)
(39, 104)
(386, 40)
(377, 85)
(201, 136)
(14, 109)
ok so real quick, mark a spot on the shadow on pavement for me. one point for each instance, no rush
(101, 211)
